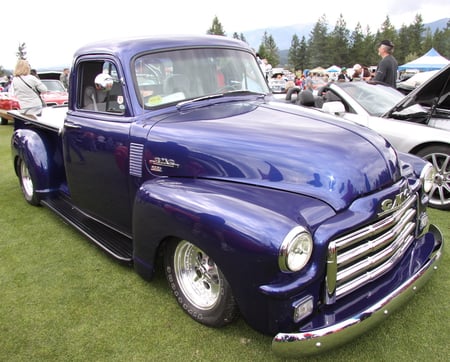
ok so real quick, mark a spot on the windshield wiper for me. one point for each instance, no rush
(218, 95)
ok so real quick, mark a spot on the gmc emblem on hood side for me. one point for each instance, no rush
(390, 205)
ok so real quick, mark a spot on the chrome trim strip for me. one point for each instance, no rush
(136, 156)
(323, 339)
(380, 242)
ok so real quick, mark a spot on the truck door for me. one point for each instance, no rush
(96, 146)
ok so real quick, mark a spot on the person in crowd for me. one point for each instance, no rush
(7, 85)
(27, 88)
(357, 72)
(360, 73)
(33, 72)
(308, 83)
(343, 76)
(387, 67)
(64, 78)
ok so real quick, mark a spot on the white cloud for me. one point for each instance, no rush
(54, 29)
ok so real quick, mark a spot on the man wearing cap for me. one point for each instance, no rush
(387, 67)
(343, 76)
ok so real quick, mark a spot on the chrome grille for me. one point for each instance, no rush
(364, 255)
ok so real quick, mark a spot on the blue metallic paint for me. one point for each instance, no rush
(234, 177)
(43, 162)
(275, 147)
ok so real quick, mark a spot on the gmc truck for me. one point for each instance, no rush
(172, 151)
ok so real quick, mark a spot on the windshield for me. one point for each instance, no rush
(377, 99)
(54, 85)
(175, 76)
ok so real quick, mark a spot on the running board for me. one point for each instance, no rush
(112, 242)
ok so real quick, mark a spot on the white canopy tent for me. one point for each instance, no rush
(333, 69)
(432, 60)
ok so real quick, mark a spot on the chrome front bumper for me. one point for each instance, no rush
(321, 340)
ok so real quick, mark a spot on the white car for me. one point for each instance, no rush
(418, 123)
(415, 81)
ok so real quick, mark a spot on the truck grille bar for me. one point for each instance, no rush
(365, 254)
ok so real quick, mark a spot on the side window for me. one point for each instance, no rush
(100, 87)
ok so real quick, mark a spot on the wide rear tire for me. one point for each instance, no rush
(27, 184)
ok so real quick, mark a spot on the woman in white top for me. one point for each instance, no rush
(26, 88)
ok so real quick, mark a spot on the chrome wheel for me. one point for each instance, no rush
(197, 275)
(27, 184)
(198, 284)
(440, 192)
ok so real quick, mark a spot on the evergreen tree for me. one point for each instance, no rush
(317, 53)
(216, 28)
(427, 40)
(441, 41)
(303, 54)
(415, 40)
(370, 48)
(338, 49)
(242, 37)
(356, 44)
(269, 50)
(402, 47)
(295, 54)
(387, 32)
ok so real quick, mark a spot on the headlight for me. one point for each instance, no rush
(295, 250)
(427, 177)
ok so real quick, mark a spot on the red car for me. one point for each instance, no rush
(7, 103)
(56, 93)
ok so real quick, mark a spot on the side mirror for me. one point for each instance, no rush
(335, 108)
(104, 82)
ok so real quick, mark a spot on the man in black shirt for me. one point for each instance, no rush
(387, 67)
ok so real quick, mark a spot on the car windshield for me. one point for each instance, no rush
(53, 85)
(376, 99)
(174, 76)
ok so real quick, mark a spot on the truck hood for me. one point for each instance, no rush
(273, 145)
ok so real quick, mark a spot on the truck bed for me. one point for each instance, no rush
(52, 118)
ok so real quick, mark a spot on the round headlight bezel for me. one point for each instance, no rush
(427, 177)
(296, 250)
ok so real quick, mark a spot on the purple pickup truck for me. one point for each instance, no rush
(172, 151)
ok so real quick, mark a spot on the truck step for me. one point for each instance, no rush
(112, 242)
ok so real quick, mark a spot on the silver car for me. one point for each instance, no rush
(418, 123)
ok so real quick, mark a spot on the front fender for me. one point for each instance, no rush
(214, 215)
(241, 227)
(39, 155)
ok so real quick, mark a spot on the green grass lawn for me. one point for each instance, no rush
(62, 299)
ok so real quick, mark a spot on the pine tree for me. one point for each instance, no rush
(295, 54)
(216, 28)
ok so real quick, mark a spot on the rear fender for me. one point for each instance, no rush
(39, 154)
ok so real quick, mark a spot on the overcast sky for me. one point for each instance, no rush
(54, 29)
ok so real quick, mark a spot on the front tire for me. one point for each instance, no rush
(439, 156)
(27, 184)
(198, 284)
